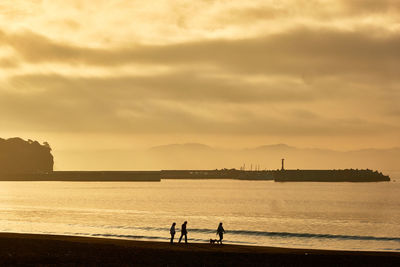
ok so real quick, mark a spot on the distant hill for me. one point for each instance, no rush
(200, 156)
(276, 147)
(269, 157)
(20, 156)
(181, 147)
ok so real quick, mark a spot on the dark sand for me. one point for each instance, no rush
(27, 249)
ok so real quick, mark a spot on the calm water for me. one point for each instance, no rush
(363, 216)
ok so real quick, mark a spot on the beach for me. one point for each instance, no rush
(56, 250)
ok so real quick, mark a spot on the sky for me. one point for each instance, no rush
(124, 75)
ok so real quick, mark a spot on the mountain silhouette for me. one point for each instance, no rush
(202, 156)
(181, 147)
(189, 156)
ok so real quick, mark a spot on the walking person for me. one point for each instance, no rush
(220, 232)
(183, 232)
(172, 232)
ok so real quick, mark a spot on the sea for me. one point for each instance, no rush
(340, 216)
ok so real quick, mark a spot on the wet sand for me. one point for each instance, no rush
(44, 250)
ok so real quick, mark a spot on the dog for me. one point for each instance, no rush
(215, 241)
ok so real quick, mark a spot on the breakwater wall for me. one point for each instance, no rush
(217, 174)
(348, 175)
(86, 176)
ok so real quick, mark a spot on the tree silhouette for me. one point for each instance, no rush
(19, 156)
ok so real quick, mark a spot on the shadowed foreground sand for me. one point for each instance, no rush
(27, 249)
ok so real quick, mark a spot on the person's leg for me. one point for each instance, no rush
(180, 238)
(186, 238)
(172, 238)
(221, 236)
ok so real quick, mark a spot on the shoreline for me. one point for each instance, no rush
(38, 249)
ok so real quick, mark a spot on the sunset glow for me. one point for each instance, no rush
(129, 75)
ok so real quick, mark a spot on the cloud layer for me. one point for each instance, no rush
(288, 69)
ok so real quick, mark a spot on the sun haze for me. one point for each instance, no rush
(129, 75)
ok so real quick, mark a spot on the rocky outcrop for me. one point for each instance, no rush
(20, 156)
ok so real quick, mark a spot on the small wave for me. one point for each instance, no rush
(311, 235)
(287, 234)
(260, 233)
(147, 237)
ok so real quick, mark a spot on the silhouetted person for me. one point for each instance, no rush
(220, 232)
(172, 232)
(183, 232)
